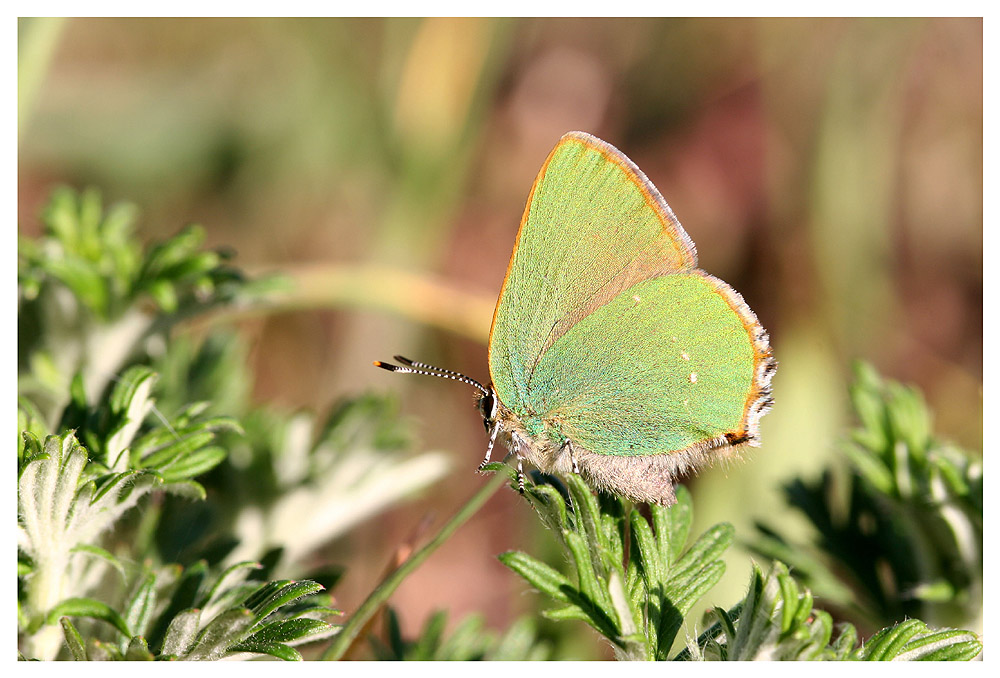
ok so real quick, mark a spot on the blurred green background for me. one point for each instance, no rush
(829, 169)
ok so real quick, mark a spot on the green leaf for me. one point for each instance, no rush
(186, 595)
(233, 574)
(288, 631)
(912, 640)
(284, 595)
(168, 454)
(587, 519)
(137, 650)
(288, 654)
(164, 294)
(73, 640)
(83, 281)
(224, 630)
(181, 632)
(139, 606)
(649, 562)
(87, 607)
(593, 590)
(194, 464)
(538, 574)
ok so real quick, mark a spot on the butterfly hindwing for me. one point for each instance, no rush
(670, 365)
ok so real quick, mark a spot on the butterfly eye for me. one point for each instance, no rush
(487, 406)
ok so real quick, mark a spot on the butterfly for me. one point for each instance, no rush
(611, 353)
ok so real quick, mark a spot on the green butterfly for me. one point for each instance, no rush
(612, 354)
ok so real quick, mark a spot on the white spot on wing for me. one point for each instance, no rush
(693, 378)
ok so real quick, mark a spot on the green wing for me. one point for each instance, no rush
(674, 363)
(593, 227)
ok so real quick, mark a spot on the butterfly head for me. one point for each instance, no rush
(487, 404)
(486, 398)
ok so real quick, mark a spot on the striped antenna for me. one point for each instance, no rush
(415, 367)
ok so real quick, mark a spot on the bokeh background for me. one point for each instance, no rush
(829, 169)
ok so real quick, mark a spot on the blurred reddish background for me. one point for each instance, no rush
(829, 169)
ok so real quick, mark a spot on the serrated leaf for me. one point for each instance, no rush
(287, 631)
(194, 464)
(710, 545)
(886, 644)
(550, 506)
(180, 448)
(286, 594)
(538, 574)
(912, 640)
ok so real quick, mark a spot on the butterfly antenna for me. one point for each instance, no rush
(415, 367)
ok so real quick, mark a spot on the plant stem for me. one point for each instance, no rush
(382, 592)
(384, 288)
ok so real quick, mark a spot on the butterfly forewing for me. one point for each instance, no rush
(593, 227)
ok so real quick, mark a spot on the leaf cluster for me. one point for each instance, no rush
(899, 532)
(777, 621)
(634, 578)
(183, 614)
(91, 298)
(637, 602)
(94, 255)
(102, 432)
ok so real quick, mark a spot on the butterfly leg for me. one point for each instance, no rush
(569, 447)
(489, 449)
(520, 475)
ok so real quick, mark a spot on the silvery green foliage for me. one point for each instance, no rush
(900, 534)
(91, 303)
(639, 605)
(90, 297)
(469, 641)
(185, 615)
(776, 621)
(68, 497)
(354, 464)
